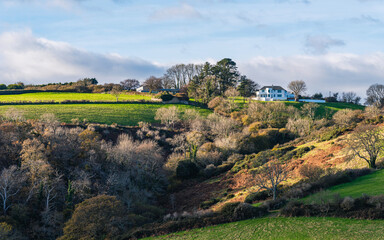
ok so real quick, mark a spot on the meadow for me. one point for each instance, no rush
(122, 114)
(64, 96)
(370, 184)
(287, 228)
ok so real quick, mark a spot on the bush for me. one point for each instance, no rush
(274, 204)
(256, 126)
(186, 169)
(166, 97)
(215, 102)
(311, 172)
(228, 209)
(258, 196)
(207, 204)
(345, 117)
(245, 211)
(348, 203)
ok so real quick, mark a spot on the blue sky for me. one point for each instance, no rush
(333, 45)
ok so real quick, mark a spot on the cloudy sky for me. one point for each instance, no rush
(333, 45)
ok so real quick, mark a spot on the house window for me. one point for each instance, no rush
(279, 91)
(278, 95)
(269, 95)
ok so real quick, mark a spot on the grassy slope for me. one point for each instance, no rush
(123, 114)
(288, 228)
(59, 97)
(370, 184)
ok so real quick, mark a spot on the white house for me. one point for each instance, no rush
(273, 93)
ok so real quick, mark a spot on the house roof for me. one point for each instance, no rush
(273, 88)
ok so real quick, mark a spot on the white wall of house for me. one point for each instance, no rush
(270, 94)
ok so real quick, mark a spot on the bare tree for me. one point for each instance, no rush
(367, 142)
(270, 176)
(179, 74)
(309, 110)
(168, 82)
(10, 185)
(153, 83)
(375, 95)
(116, 92)
(297, 87)
(130, 84)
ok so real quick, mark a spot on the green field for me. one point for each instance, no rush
(62, 96)
(288, 228)
(122, 114)
(371, 184)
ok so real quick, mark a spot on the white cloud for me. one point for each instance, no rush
(320, 44)
(330, 72)
(183, 11)
(26, 58)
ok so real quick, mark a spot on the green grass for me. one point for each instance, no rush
(62, 96)
(122, 114)
(288, 228)
(371, 184)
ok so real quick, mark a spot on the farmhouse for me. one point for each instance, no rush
(273, 93)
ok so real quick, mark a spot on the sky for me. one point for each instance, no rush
(333, 45)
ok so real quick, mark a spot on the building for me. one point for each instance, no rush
(273, 93)
(145, 89)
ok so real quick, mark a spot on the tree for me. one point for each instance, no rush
(168, 82)
(10, 184)
(350, 97)
(101, 217)
(226, 73)
(208, 88)
(270, 176)
(297, 87)
(317, 96)
(87, 81)
(247, 87)
(153, 83)
(116, 92)
(375, 95)
(130, 84)
(367, 142)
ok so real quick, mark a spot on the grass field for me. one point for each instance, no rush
(371, 184)
(288, 228)
(123, 114)
(59, 97)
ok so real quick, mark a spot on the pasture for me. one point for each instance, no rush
(122, 114)
(65, 96)
(287, 228)
(370, 184)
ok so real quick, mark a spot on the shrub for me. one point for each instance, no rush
(246, 211)
(258, 196)
(166, 97)
(347, 204)
(274, 204)
(300, 127)
(186, 169)
(311, 172)
(256, 126)
(207, 204)
(345, 117)
(210, 170)
(228, 209)
(215, 102)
